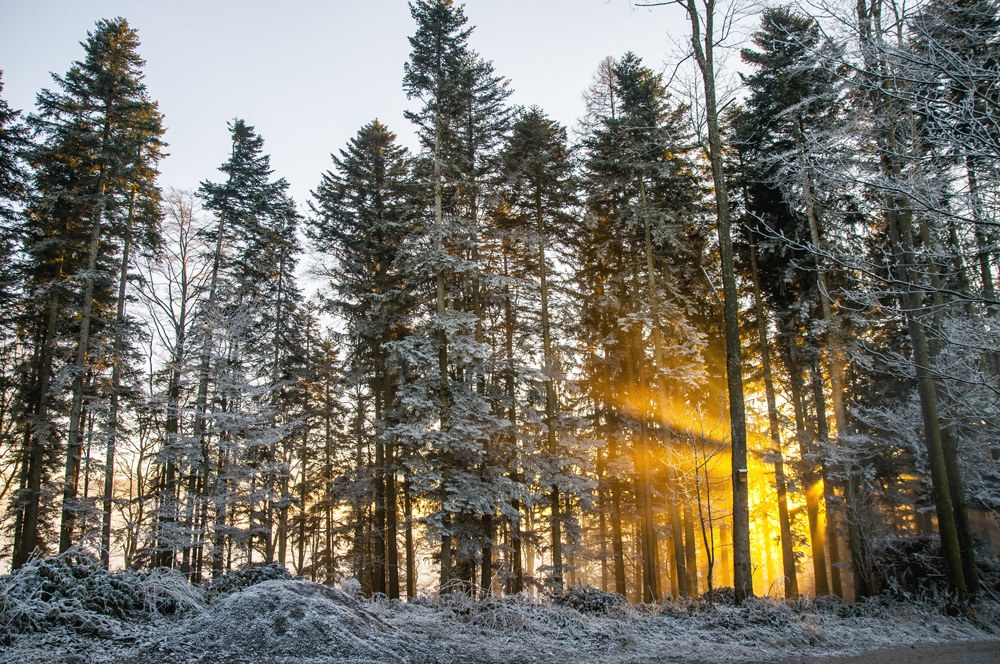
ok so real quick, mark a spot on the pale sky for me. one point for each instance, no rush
(308, 75)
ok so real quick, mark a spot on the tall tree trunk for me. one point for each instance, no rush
(900, 229)
(442, 355)
(109, 460)
(36, 439)
(74, 435)
(829, 496)
(392, 550)
(220, 541)
(817, 539)
(201, 399)
(272, 453)
(787, 553)
(948, 444)
(617, 545)
(282, 537)
(379, 558)
(691, 550)
(602, 521)
(676, 524)
(303, 494)
(742, 568)
(411, 566)
(516, 584)
(651, 589)
(550, 399)
(328, 477)
(835, 369)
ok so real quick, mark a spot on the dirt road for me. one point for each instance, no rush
(962, 652)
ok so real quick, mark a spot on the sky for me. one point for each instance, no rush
(308, 75)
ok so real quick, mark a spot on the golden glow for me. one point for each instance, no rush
(698, 447)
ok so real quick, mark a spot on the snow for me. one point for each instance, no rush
(285, 621)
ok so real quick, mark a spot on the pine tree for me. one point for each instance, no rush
(791, 94)
(253, 243)
(101, 140)
(482, 122)
(363, 213)
(538, 169)
(643, 197)
(13, 194)
(439, 74)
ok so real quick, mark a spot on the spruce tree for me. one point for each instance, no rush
(643, 198)
(538, 169)
(438, 73)
(363, 213)
(13, 195)
(251, 246)
(101, 140)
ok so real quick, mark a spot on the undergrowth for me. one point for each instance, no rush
(72, 595)
(73, 592)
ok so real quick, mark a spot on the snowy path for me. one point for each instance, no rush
(970, 652)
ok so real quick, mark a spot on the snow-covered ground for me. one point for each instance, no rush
(286, 621)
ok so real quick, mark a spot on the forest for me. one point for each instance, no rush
(735, 342)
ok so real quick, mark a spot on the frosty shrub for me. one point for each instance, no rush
(912, 568)
(588, 599)
(725, 596)
(350, 587)
(74, 591)
(240, 579)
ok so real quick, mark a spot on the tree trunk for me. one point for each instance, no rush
(829, 497)
(442, 358)
(817, 539)
(304, 460)
(201, 400)
(742, 568)
(74, 435)
(835, 369)
(379, 534)
(691, 550)
(392, 550)
(36, 441)
(900, 229)
(109, 461)
(617, 544)
(516, 584)
(676, 525)
(787, 553)
(550, 400)
(651, 589)
(411, 565)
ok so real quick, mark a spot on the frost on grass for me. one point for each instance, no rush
(280, 621)
(521, 629)
(283, 620)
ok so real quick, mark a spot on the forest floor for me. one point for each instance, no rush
(288, 621)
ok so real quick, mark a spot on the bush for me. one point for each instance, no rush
(912, 567)
(588, 599)
(240, 579)
(74, 591)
